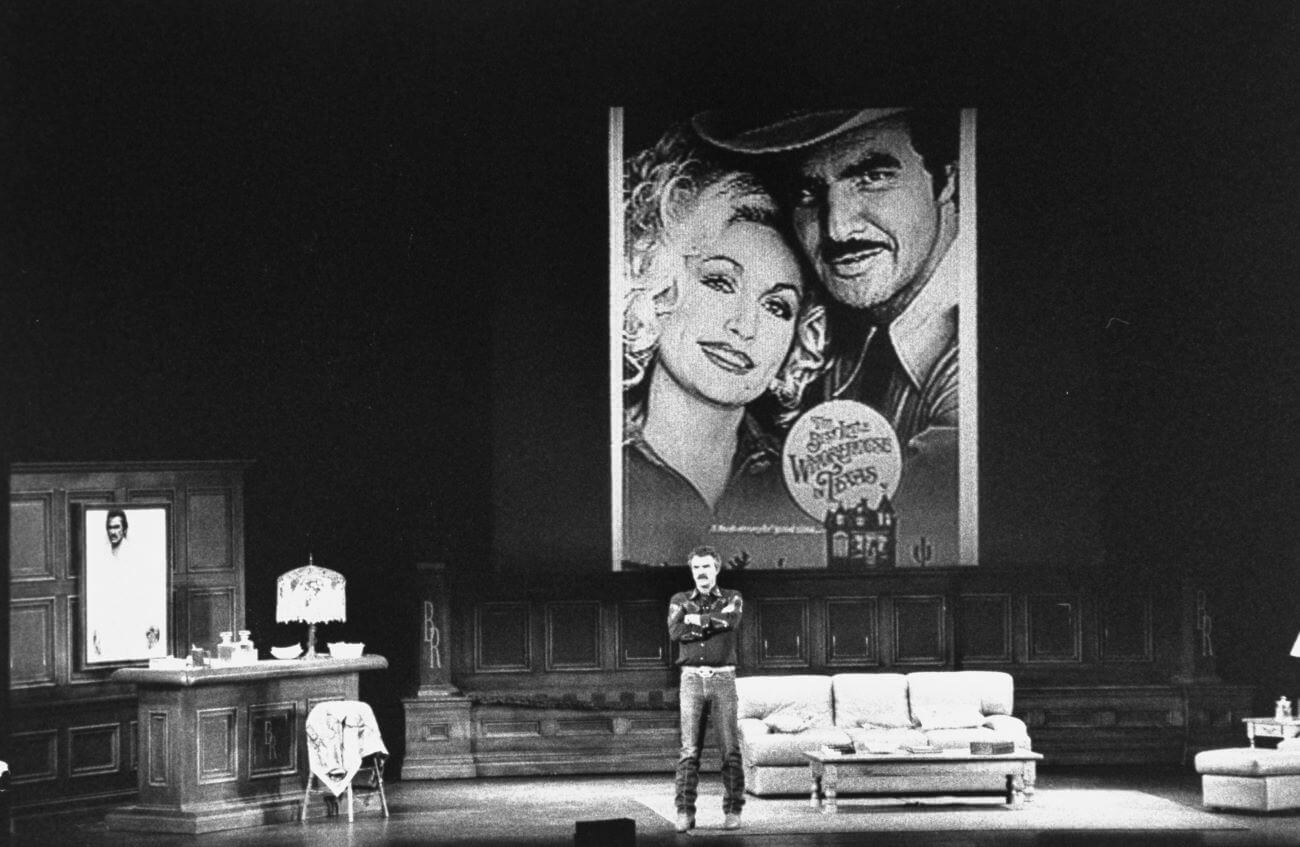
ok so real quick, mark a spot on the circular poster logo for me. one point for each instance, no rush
(840, 452)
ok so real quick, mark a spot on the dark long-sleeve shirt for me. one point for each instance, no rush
(712, 643)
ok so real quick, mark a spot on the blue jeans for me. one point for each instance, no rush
(700, 698)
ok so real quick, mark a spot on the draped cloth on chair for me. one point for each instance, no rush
(340, 733)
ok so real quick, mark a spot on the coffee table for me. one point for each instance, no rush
(1019, 769)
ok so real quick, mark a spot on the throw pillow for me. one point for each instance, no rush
(793, 720)
(953, 717)
(876, 723)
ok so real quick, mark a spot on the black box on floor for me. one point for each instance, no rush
(615, 832)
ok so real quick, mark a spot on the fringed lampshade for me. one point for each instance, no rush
(312, 595)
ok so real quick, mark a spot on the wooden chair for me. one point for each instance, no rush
(344, 751)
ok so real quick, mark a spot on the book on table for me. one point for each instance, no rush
(922, 748)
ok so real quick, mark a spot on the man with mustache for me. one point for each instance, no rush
(873, 197)
(705, 624)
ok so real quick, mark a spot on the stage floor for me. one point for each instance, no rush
(544, 810)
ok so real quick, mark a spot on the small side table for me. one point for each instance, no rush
(1271, 728)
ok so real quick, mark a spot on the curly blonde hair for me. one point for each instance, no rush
(663, 186)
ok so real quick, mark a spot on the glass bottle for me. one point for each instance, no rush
(226, 648)
(247, 650)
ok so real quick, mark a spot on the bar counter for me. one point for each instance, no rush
(224, 747)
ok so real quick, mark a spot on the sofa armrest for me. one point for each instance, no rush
(752, 727)
(1008, 724)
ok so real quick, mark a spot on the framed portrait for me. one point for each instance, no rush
(125, 569)
(790, 382)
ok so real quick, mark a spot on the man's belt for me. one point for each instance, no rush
(706, 671)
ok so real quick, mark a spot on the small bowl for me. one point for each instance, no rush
(293, 651)
(346, 649)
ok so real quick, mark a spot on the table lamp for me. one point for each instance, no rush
(1295, 648)
(311, 595)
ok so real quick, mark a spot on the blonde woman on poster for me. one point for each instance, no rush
(721, 334)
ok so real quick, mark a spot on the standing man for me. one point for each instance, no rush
(704, 623)
(873, 197)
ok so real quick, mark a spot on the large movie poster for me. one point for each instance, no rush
(789, 378)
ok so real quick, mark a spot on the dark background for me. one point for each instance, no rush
(365, 246)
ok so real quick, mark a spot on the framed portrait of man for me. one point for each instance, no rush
(125, 568)
(793, 337)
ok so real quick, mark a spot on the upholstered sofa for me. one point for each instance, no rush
(782, 716)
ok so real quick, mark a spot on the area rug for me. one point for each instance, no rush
(1051, 809)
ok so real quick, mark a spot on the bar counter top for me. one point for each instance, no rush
(263, 669)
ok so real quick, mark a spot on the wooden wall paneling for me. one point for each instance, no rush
(852, 632)
(1054, 628)
(210, 540)
(1124, 621)
(1214, 714)
(520, 741)
(31, 642)
(208, 611)
(642, 634)
(31, 538)
(158, 748)
(920, 630)
(1122, 713)
(984, 631)
(34, 756)
(272, 740)
(502, 637)
(218, 752)
(132, 751)
(608, 634)
(1088, 724)
(94, 749)
(783, 638)
(165, 494)
(573, 635)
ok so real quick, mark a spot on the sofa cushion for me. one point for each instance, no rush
(871, 700)
(790, 720)
(1248, 761)
(761, 696)
(780, 748)
(944, 692)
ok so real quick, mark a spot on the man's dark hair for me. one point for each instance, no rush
(704, 551)
(116, 513)
(936, 137)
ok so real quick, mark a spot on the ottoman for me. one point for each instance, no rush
(1248, 778)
